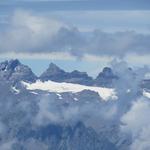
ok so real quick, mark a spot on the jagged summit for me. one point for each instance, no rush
(78, 73)
(14, 71)
(54, 73)
(9, 65)
(80, 78)
(107, 72)
(53, 68)
(106, 77)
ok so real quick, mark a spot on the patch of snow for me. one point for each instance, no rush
(146, 94)
(128, 90)
(6, 69)
(51, 86)
(75, 99)
(59, 96)
(15, 90)
(34, 93)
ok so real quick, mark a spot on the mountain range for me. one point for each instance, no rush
(14, 71)
(62, 110)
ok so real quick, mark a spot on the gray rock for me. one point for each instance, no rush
(14, 71)
(106, 78)
(54, 73)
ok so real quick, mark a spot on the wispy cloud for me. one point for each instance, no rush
(136, 122)
(30, 35)
(47, 56)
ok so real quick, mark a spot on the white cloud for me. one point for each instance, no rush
(48, 56)
(137, 59)
(7, 145)
(46, 113)
(95, 58)
(142, 142)
(37, 24)
(137, 123)
(47, 38)
(109, 21)
(28, 31)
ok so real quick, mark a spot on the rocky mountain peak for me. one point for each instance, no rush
(54, 69)
(78, 73)
(12, 64)
(54, 73)
(107, 71)
(9, 65)
(106, 77)
(14, 71)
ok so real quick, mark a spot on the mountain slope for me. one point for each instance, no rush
(106, 78)
(14, 71)
(50, 115)
(54, 73)
(28, 134)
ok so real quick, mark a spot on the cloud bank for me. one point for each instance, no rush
(30, 33)
(137, 123)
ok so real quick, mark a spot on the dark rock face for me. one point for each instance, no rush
(14, 71)
(54, 73)
(57, 137)
(106, 78)
(79, 77)
(24, 107)
(145, 84)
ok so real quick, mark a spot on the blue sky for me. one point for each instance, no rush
(78, 4)
(84, 35)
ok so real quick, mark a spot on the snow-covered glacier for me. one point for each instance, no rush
(51, 86)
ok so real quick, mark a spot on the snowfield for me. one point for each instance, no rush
(146, 94)
(16, 91)
(51, 86)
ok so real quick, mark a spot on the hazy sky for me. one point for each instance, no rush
(85, 34)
